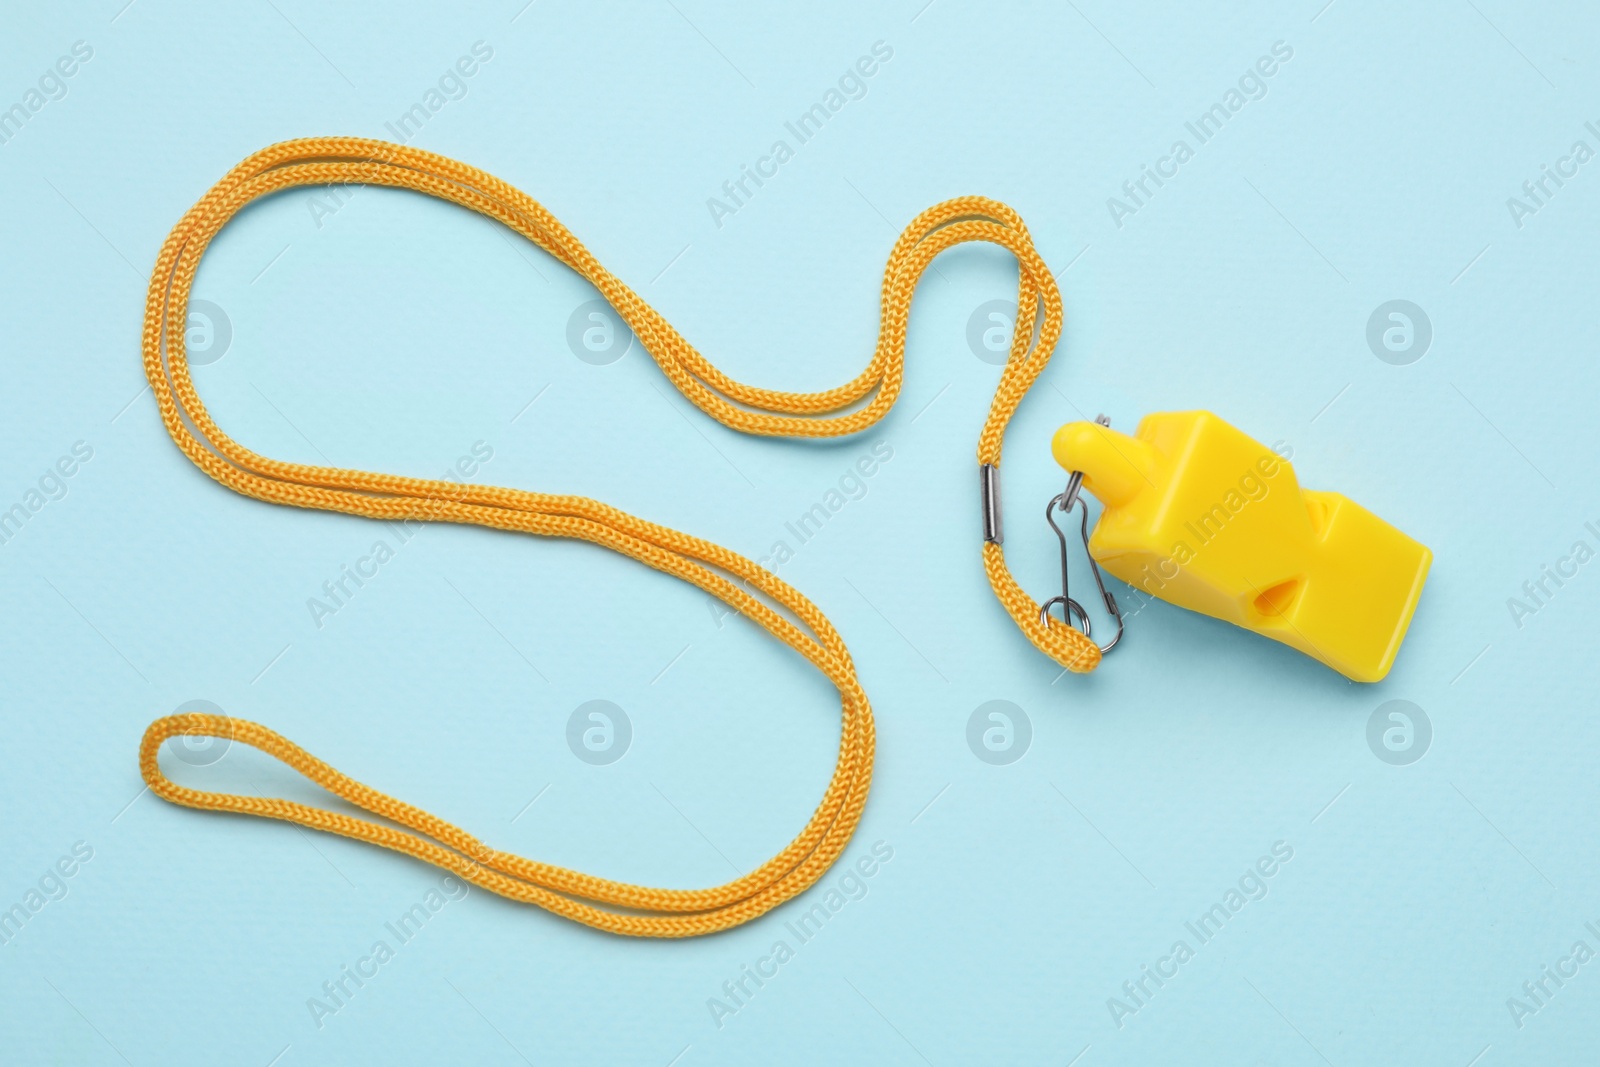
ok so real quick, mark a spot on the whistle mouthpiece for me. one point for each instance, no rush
(1203, 516)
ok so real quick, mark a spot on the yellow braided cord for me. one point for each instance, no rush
(606, 905)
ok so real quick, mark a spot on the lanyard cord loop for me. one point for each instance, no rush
(644, 911)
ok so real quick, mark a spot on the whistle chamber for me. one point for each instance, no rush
(1203, 516)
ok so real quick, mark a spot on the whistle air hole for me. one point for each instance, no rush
(1278, 600)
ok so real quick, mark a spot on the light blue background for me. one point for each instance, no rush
(1019, 898)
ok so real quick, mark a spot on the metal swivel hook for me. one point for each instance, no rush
(1071, 611)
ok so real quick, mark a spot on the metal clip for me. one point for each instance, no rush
(989, 494)
(1072, 612)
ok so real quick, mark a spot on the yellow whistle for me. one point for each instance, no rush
(1201, 515)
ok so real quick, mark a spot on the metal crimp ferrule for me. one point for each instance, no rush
(989, 494)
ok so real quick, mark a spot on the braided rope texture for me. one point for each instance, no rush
(616, 907)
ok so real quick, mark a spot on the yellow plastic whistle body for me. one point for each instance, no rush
(1201, 515)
